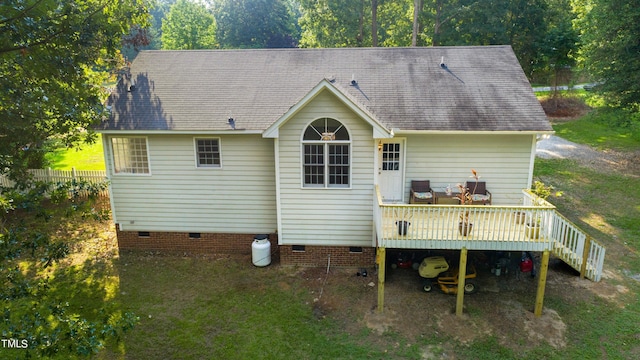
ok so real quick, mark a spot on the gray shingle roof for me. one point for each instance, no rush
(480, 89)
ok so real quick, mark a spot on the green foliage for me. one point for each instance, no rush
(6, 204)
(610, 51)
(35, 304)
(157, 12)
(54, 58)
(256, 24)
(187, 26)
(328, 23)
(558, 48)
(395, 23)
(520, 23)
(544, 191)
(524, 24)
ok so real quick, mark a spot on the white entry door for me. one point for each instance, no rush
(391, 170)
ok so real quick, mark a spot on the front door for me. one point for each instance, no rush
(391, 170)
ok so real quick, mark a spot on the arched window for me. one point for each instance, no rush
(326, 154)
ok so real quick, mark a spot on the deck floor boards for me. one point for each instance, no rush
(439, 228)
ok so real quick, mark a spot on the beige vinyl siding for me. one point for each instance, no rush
(500, 160)
(238, 197)
(332, 216)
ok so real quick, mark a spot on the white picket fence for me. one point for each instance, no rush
(49, 175)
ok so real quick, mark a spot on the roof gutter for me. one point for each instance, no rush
(397, 131)
(183, 132)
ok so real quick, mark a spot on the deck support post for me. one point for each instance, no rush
(542, 281)
(462, 275)
(585, 256)
(381, 259)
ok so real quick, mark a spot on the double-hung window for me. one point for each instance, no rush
(130, 155)
(208, 152)
(326, 155)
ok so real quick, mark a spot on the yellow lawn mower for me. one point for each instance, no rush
(436, 271)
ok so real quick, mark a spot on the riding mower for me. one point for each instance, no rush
(436, 271)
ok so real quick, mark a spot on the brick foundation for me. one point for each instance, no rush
(179, 242)
(318, 256)
(227, 243)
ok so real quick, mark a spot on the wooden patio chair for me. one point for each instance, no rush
(421, 192)
(479, 193)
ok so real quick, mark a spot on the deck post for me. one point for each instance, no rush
(462, 275)
(542, 281)
(585, 256)
(381, 257)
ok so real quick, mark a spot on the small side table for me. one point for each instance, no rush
(447, 199)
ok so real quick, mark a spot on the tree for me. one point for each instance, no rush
(519, 23)
(52, 309)
(609, 31)
(332, 23)
(374, 23)
(188, 26)
(55, 56)
(157, 13)
(526, 27)
(560, 45)
(395, 23)
(256, 24)
(417, 8)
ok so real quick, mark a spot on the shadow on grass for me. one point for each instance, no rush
(224, 308)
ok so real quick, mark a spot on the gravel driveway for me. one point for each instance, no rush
(554, 147)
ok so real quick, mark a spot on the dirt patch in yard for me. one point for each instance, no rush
(502, 308)
(564, 108)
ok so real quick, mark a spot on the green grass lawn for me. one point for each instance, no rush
(89, 157)
(604, 129)
(194, 308)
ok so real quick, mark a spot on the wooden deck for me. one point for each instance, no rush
(438, 227)
(499, 228)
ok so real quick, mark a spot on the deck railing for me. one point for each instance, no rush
(438, 226)
(576, 248)
(533, 226)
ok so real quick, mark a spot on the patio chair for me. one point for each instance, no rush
(479, 193)
(421, 192)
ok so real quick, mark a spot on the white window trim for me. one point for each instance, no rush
(326, 158)
(113, 156)
(195, 152)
